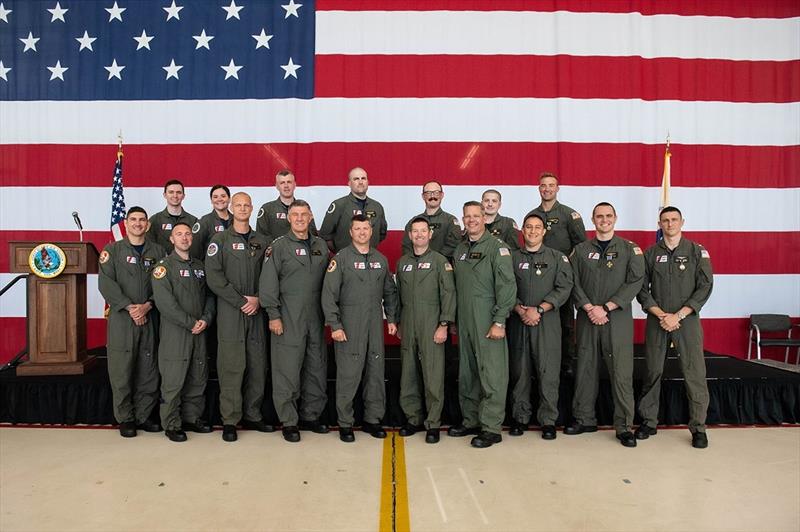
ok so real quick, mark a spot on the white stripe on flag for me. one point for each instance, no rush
(554, 33)
(705, 209)
(403, 119)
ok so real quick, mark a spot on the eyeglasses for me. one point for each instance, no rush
(432, 193)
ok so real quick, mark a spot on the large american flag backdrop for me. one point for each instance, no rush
(476, 94)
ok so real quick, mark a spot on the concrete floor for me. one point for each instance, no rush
(92, 479)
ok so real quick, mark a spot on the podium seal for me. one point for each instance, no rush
(47, 260)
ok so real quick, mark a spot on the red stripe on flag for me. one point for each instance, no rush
(739, 253)
(725, 336)
(561, 76)
(725, 8)
(398, 163)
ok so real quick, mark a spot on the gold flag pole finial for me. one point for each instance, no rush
(668, 140)
(119, 144)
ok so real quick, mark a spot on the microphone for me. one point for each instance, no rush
(77, 220)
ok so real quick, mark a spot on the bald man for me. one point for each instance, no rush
(335, 228)
(233, 267)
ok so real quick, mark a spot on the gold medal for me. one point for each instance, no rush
(682, 266)
(609, 264)
(538, 272)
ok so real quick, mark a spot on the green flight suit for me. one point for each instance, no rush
(161, 224)
(543, 276)
(674, 279)
(427, 297)
(565, 230)
(290, 289)
(615, 275)
(336, 225)
(505, 229)
(486, 294)
(273, 220)
(446, 233)
(202, 231)
(124, 279)
(233, 266)
(182, 297)
(564, 226)
(357, 290)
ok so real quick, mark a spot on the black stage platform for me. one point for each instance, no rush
(741, 393)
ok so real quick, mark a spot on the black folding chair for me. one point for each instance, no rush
(773, 323)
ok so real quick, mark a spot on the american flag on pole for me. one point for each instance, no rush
(475, 93)
(118, 209)
(665, 183)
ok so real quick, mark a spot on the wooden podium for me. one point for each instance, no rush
(56, 310)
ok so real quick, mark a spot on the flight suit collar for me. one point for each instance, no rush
(556, 205)
(358, 253)
(663, 245)
(174, 256)
(356, 200)
(486, 234)
(611, 243)
(294, 238)
(427, 252)
(146, 250)
(531, 253)
(236, 234)
(279, 202)
(216, 217)
(166, 212)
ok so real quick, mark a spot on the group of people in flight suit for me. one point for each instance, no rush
(175, 279)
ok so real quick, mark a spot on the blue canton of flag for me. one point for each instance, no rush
(118, 201)
(156, 49)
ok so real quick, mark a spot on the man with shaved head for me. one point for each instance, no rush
(187, 308)
(233, 266)
(336, 226)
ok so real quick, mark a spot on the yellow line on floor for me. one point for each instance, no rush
(394, 492)
(401, 520)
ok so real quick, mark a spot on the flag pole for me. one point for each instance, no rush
(665, 185)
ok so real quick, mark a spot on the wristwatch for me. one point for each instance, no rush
(605, 307)
(501, 325)
(444, 323)
(681, 315)
(539, 309)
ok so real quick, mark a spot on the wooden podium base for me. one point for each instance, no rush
(79, 367)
